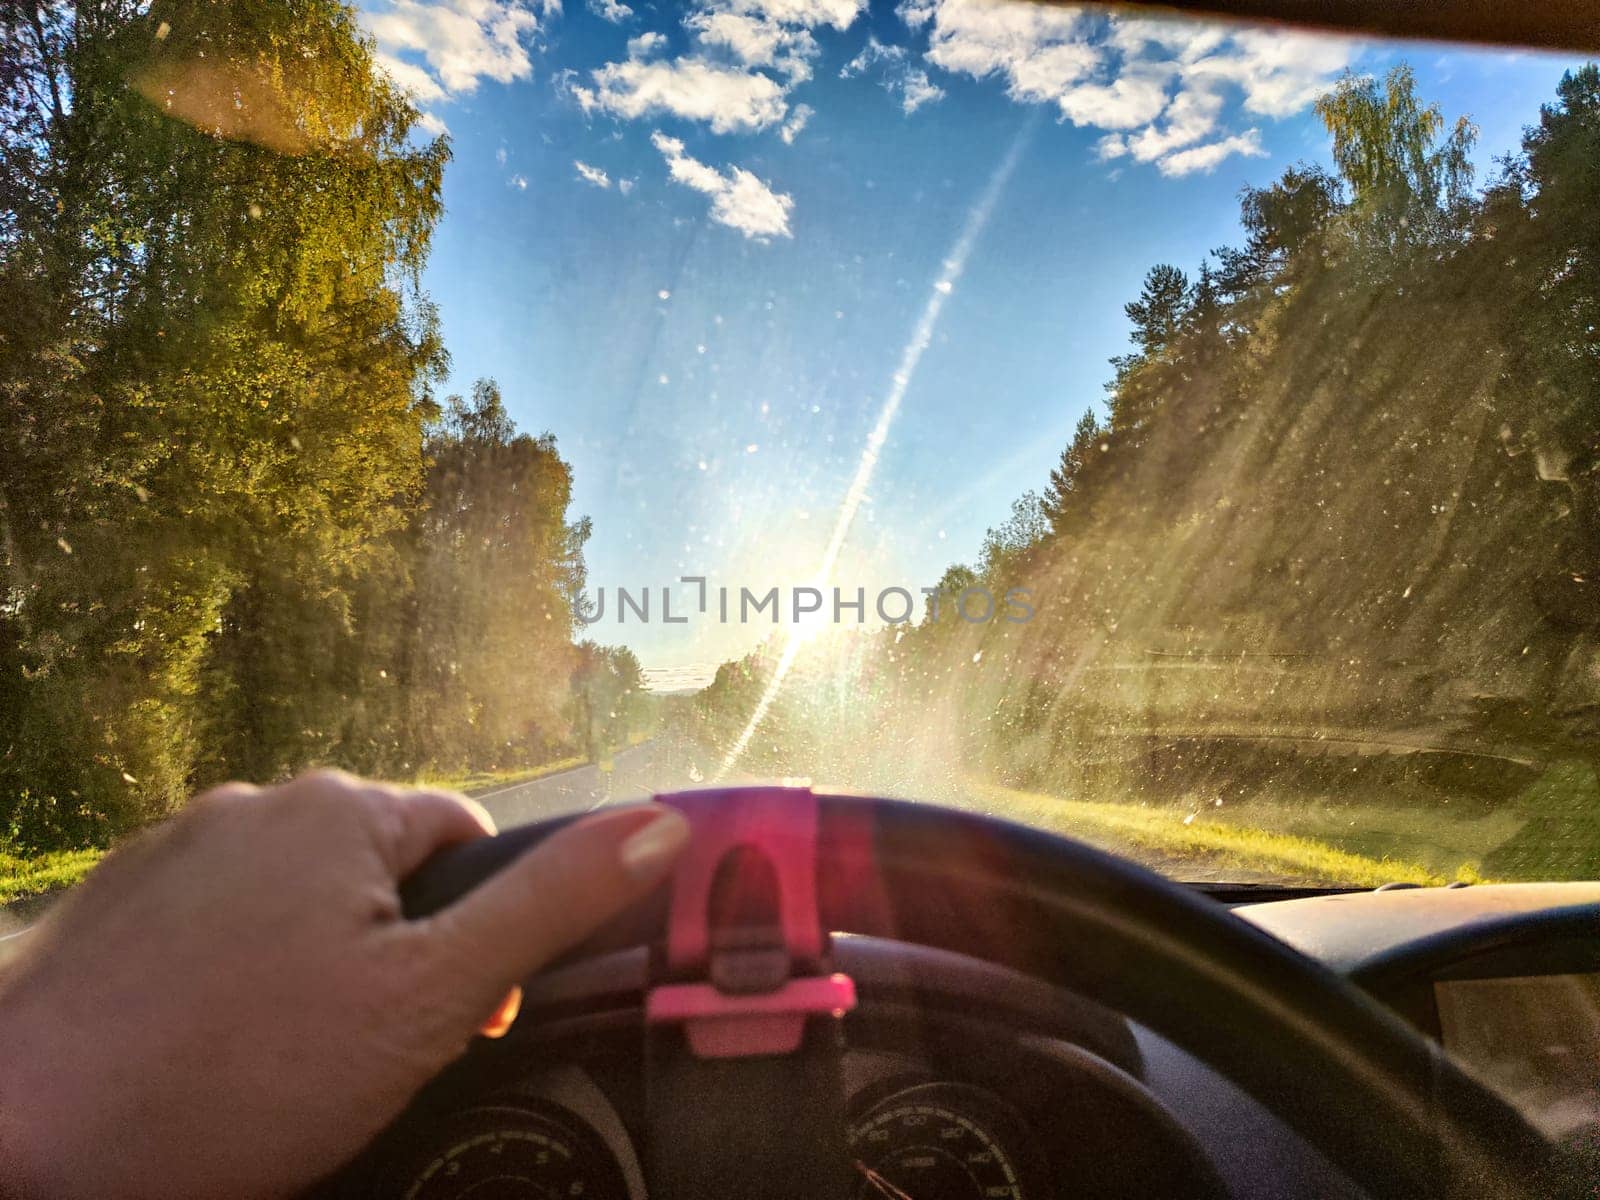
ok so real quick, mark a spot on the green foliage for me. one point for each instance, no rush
(1063, 497)
(942, 606)
(40, 874)
(1407, 186)
(1005, 548)
(1284, 223)
(1541, 218)
(608, 697)
(486, 650)
(236, 537)
(1160, 316)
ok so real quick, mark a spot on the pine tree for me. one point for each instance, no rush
(1061, 497)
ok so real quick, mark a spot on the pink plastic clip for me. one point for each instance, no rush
(722, 1026)
(780, 824)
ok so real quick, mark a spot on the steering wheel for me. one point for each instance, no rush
(744, 1004)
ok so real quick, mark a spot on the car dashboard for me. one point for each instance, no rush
(1506, 977)
(976, 1081)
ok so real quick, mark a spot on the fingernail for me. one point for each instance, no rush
(650, 849)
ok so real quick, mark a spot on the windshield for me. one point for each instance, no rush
(1176, 434)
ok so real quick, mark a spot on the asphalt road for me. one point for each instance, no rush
(636, 774)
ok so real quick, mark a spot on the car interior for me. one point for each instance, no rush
(1001, 1012)
(842, 994)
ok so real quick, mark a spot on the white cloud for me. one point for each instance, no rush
(739, 200)
(727, 98)
(520, 182)
(1191, 116)
(610, 10)
(1206, 158)
(500, 156)
(564, 83)
(773, 34)
(1279, 72)
(424, 88)
(1113, 145)
(744, 59)
(797, 121)
(431, 125)
(1040, 51)
(756, 41)
(916, 90)
(679, 679)
(898, 77)
(840, 14)
(1164, 84)
(625, 186)
(459, 42)
(592, 175)
(1183, 41)
(1130, 100)
(646, 44)
(873, 52)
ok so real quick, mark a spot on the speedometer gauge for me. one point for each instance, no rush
(939, 1142)
(510, 1152)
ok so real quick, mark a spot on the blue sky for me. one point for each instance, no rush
(697, 242)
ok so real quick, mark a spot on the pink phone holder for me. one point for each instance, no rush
(743, 925)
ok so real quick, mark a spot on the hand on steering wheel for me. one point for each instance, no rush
(233, 1004)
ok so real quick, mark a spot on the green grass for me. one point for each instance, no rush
(1187, 841)
(34, 876)
(1444, 844)
(1361, 838)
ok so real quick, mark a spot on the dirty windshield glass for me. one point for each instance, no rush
(1177, 434)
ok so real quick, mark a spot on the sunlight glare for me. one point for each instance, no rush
(921, 337)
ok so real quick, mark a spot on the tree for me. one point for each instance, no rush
(1408, 187)
(1061, 497)
(608, 694)
(940, 608)
(214, 374)
(1161, 311)
(1563, 174)
(1541, 224)
(1284, 223)
(1161, 316)
(495, 567)
(1005, 546)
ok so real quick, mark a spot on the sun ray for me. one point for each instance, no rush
(910, 358)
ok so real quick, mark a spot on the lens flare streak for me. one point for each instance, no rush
(910, 358)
